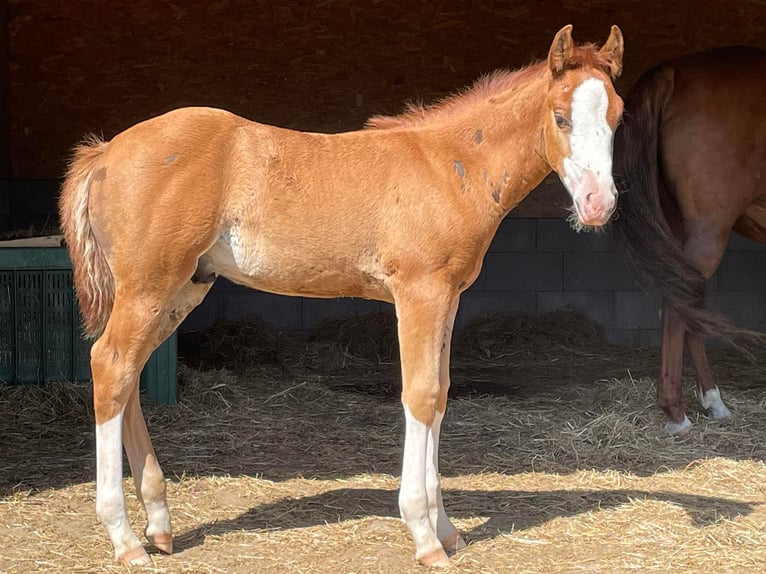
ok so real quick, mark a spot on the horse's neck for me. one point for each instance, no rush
(497, 150)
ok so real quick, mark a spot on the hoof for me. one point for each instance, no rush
(719, 412)
(162, 541)
(454, 543)
(678, 429)
(711, 401)
(135, 557)
(436, 558)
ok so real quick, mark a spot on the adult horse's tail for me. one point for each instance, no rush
(93, 279)
(640, 225)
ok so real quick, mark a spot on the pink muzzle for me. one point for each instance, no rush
(595, 199)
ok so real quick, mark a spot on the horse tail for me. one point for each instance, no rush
(93, 279)
(640, 225)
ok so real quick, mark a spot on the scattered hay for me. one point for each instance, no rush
(496, 336)
(274, 470)
(368, 337)
(231, 344)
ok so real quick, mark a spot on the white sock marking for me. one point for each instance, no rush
(678, 428)
(413, 493)
(712, 403)
(110, 502)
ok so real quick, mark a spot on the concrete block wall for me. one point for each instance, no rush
(533, 266)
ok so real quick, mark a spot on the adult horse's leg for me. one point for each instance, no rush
(147, 474)
(704, 246)
(424, 313)
(669, 390)
(448, 535)
(707, 391)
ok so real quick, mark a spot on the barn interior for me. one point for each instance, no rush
(76, 68)
(283, 454)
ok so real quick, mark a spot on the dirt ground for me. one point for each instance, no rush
(286, 459)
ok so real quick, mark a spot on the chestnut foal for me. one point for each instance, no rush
(402, 211)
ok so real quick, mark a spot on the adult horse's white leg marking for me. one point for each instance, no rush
(110, 504)
(678, 428)
(711, 401)
(414, 503)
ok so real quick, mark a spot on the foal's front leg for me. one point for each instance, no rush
(449, 536)
(424, 313)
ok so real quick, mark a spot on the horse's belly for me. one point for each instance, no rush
(302, 272)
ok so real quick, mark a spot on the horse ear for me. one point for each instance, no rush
(561, 50)
(612, 51)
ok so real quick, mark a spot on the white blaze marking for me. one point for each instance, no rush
(590, 140)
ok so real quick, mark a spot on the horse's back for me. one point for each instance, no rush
(722, 85)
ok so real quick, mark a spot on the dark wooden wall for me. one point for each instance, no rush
(79, 66)
(5, 87)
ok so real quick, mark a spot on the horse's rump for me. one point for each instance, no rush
(668, 112)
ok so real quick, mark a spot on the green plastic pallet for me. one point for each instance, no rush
(40, 336)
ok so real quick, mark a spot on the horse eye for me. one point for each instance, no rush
(561, 122)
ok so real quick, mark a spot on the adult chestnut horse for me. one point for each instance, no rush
(401, 212)
(691, 155)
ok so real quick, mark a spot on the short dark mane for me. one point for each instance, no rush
(488, 86)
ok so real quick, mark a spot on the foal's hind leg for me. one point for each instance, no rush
(147, 474)
(117, 358)
(424, 315)
(137, 325)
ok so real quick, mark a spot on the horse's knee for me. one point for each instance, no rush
(421, 399)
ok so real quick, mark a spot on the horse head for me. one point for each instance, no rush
(583, 111)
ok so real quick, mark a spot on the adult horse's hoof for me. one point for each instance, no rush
(454, 543)
(436, 558)
(678, 429)
(135, 557)
(712, 403)
(162, 541)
